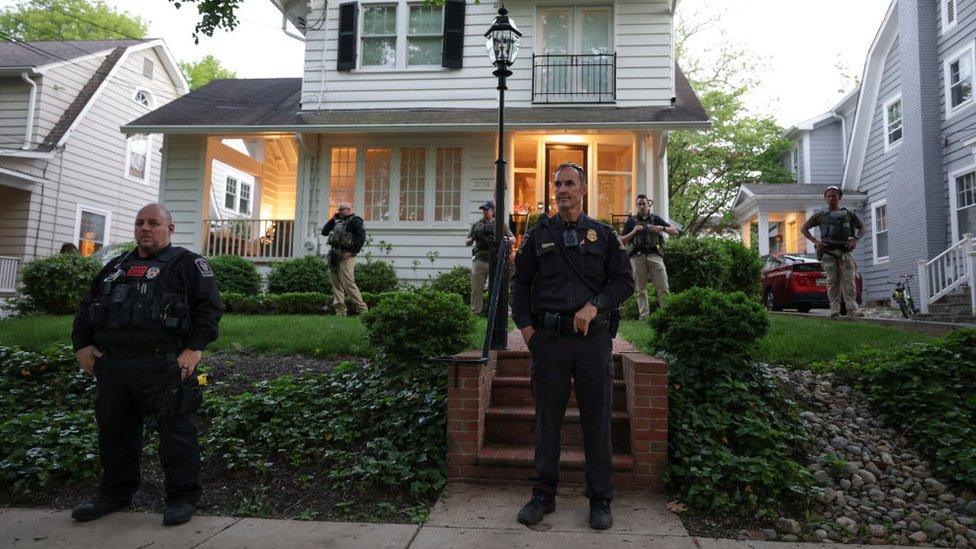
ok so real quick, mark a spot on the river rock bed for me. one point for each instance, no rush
(877, 489)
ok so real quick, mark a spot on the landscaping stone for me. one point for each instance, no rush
(918, 537)
(788, 526)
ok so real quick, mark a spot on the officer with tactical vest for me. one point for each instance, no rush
(347, 235)
(482, 234)
(840, 230)
(643, 232)
(571, 275)
(141, 330)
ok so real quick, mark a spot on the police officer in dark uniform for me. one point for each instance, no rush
(141, 330)
(571, 275)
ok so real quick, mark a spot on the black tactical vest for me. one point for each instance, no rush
(132, 307)
(341, 237)
(484, 235)
(836, 227)
(646, 242)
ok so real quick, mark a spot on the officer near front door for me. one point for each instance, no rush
(571, 275)
(141, 330)
(643, 232)
(840, 230)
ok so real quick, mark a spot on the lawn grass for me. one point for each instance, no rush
(801, 341)
(325, 336)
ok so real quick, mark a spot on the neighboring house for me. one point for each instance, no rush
(902, 146)
(397, 113)
(67, 175)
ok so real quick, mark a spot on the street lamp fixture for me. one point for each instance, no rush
(502, 41)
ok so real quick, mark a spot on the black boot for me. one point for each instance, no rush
(96, 508)
(540, 505)
(178, 512)
(600, 517)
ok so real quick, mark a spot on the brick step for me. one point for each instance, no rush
(516, 425)
(517, 391)
(522, 367)
(521, 456)
(527, 413)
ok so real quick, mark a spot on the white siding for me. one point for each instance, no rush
(14, 213)
(218, 185)
(182, 188)
(60, 87)
(13, 111)
(642, 40)
(826, 154)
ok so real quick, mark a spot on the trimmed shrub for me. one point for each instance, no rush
(695, 263)
(735, 441)
(292, 303)
(56, 284)
(303, 274)
(245, 304)
(376, 277)
(235, 274)
(410, 327)
(456, 281)
(745, 268)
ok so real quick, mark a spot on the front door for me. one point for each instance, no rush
(556, 155)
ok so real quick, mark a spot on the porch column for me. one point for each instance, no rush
(664, 204)
(810, 247)
(763, 233)
(647, 172)
(509, 174)
(746, 229)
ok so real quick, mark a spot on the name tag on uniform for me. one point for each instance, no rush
(547, 247)
(137, 271)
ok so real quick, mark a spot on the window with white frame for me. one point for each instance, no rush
(879, 226)
(447, 185)
(230, 193)
(342, 179)
(376, 190)
(965, 193)
(401, 35)
(92, 226)
(413, 171)
(893, 122)
(959, 80)
(144, 98)
(137, 157)
(949, 14)
(244, 202)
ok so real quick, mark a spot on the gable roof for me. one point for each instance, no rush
(23, 55)
(273, 105)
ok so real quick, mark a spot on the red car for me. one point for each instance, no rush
(796, 281)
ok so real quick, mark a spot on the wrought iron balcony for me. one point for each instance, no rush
(582, 78)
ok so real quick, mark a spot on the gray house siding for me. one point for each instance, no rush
(13, 112)
(962, 123)
(826, 154)
(875, 177)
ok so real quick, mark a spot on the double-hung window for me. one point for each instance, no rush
(244, 202)
(230, 193)
(892, 122)
(879, 229)
(379, 35)
(402, 35)
(425, 34)
(964, 192)
(959, 80)
(92, 228)
(137, 158)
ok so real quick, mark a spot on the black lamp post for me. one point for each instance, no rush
(502, 41)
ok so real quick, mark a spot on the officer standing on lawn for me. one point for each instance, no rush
(141, 330)
(481, 235)
(347, 235)
(571, 275)
(840, 230)
(644, 231)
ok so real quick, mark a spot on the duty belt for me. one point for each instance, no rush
(136, 351)
(554, 323)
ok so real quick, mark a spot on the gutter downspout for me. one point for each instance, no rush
(31, 102)
(284, 28)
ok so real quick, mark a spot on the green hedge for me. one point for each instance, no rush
(303, 274)
(927, 391)
(410, 327)
(294, 303)
(376, 277)
(734, 439)
(456, 281)
(712, 263)
(56, 284)
(235, 274)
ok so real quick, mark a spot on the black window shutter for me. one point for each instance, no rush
(452, 56)
(348, 17)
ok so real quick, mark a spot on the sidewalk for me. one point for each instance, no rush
(466, 515)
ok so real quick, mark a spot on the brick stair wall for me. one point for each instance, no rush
(491, 420)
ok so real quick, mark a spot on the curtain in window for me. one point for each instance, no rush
(138, 153)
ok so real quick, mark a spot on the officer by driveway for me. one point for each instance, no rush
(347, 234)
(840, 230)
(141, 330)
(571, 275)
(481, 235)
(644, 230)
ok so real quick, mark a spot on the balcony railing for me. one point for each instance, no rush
(8, 275)
(583, 78)
(251, 238)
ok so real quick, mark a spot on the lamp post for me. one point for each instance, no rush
(502, 41)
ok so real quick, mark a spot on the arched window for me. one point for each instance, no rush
(143, 98)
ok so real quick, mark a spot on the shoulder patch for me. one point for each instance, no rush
(205, 269)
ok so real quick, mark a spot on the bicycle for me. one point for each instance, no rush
(902, 295)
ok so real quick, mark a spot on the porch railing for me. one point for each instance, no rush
(948, 271)
(8, 274)
(583, 78)
(251, 238)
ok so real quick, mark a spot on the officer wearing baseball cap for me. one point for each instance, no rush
(481, 235)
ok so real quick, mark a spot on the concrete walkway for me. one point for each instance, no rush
(466, 515)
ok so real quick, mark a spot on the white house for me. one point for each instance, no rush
(397, 113)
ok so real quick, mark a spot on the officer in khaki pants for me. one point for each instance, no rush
(644, 231)
(481, 236)
(347, 235)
